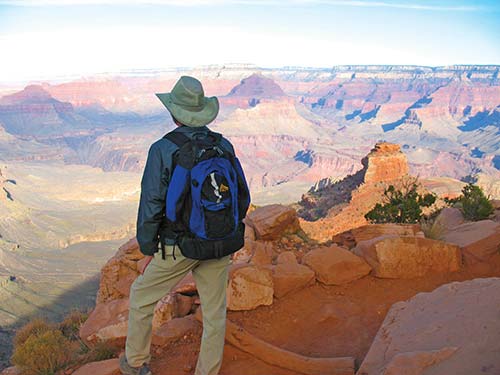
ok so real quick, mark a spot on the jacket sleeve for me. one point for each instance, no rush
(154, 185)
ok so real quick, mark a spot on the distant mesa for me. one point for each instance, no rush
(257, 86)
(32, 94)
(252, 90)
(33, 111)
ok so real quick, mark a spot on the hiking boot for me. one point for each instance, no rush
(126, 369)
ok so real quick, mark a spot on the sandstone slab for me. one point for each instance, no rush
(244, 254)
(255, 252)
(108, 367)
(271, 222)
(448, 219)
(263, 253)
(13, 370)
(174, 330)
(249, 233)
(287, 257)
(478, 240)
(335, 265)
(290, 277)
(451, 330)
(370, 231)
(416, 363)
(249, 287)
(173, 305)
(108, 322)
(408, 257)
(120, 272)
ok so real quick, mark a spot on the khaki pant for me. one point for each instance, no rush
(158, 279)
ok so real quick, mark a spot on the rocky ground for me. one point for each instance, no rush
(325, 302)
(336, 295)
(301, 305)
(318, 321)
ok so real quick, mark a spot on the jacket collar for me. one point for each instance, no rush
(188, 129)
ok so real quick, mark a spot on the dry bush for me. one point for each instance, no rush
(33, 328)
(432, 229)
(43, 353)
(100, 352)
(72, 323)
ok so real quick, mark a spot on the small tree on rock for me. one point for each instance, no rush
(473, 203)
(401, 205)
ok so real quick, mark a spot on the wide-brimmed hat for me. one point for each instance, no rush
(187, 103)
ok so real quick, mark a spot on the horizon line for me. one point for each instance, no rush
(155, 71)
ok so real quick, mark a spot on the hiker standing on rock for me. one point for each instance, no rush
(193, 198)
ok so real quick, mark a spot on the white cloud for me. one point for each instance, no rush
(81, 52)
(354, 3)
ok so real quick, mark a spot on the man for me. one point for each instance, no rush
(191, 112)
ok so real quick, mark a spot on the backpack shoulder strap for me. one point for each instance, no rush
(216, 136)
(177, 138)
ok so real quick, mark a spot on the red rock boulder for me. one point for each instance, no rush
(108, 322)
(120, 272)
(271, 222)
(173, 305)
(335, 265)
(408, 257)
(290, 277)
(249, 287)
(107, 367)
(175, 330)
(451, 330)
(448, 219)
(370, 231)
(478, 240)
(286, 257)
(255, 252)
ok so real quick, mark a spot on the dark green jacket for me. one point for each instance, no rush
(154, 184)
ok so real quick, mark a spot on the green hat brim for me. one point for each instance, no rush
(189, 117)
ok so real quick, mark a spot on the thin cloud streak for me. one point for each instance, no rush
(188, 3)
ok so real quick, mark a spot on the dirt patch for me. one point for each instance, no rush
(319, 321)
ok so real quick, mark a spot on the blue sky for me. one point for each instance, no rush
(49, 38)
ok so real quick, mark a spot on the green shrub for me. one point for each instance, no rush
(33, 328)
(43, 354)
(401, 206)
(473, 203)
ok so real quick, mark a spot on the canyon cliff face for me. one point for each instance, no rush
(290, 126)
(385, 163)
(72, 155)
(34, 111)
(341, 205)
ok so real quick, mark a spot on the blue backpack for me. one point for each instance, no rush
(207, 197)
